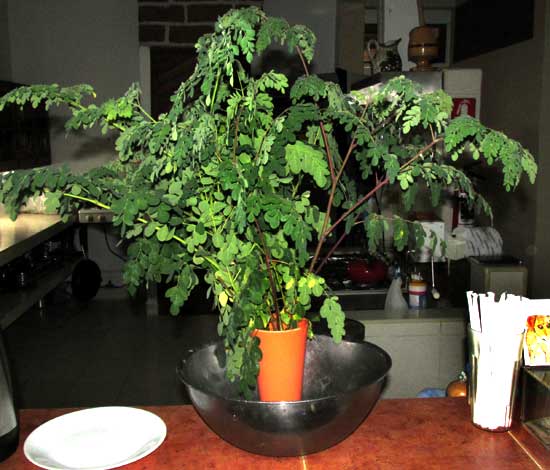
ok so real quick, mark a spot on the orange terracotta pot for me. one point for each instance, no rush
(282, 364)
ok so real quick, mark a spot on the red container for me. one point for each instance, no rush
(362, 271)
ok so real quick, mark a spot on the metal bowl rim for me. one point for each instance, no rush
(189, 352)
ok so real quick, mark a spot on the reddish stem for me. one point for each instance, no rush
(329, 155)
(270, 276)
(332, 250)
(379, 185)
(361, 201)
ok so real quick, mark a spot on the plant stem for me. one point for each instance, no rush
(420, 152)
(215, 91)
(105, 206)
(335, 181)
(302, 58)
(236, 137)
(360, 202)
(332, 177)
(270, 276)
(379, 185)
(325, 232)
(145, 113)
(87, 199)
(329, 155)
(332, 250)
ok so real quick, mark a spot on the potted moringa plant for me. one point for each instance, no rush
(220, 184)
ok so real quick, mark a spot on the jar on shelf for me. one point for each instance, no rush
(418, 289)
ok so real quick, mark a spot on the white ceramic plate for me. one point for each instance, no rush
(95, 439)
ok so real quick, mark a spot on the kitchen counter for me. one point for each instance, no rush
(409, 433)
(415, 315)
(29, 230)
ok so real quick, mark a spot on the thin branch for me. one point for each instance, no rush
(302, 58)
(378, 186)
(359, 203)
(81, 107)
(331, 166)
(236, 137)
(321, 125)
(333, 249)
(351, 147)
(97, 203)
(212, 100)
(420, 152)
(329, 154)
(335, 181)
(145, 113)
(385, 122)
(87, 199)
(270, 276)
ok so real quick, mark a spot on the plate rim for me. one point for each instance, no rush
(161, 436)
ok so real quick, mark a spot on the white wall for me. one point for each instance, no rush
(350, 35)
(70, 42)
(320, 17)
(512, 90)
(541, 280)
(400, 16)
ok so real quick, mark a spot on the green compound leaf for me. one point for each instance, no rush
(333, 313)
(400, 233)
(303, 158)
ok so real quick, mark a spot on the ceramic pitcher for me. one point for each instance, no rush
(384, 56)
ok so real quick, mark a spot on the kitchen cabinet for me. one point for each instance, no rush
(427, 346)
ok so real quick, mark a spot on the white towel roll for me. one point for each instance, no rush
(480, 241)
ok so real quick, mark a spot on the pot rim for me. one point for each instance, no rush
(264, 331)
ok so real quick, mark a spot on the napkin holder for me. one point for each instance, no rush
(535, 402)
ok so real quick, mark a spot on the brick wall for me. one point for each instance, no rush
(179, 23)
(170, 28)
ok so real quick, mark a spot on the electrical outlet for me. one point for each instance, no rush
(95, 216)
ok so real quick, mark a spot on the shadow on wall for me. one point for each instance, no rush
(281, 61)
(88, 149)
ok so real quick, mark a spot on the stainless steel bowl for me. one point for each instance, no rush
(341, 385)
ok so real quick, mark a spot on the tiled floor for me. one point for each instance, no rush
(109, 351)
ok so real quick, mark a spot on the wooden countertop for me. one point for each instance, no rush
(398, 434)
(424, 315)
(29, 230)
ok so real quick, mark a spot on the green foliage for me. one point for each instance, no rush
(303, 158)
(220, 185)
(332, 312)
